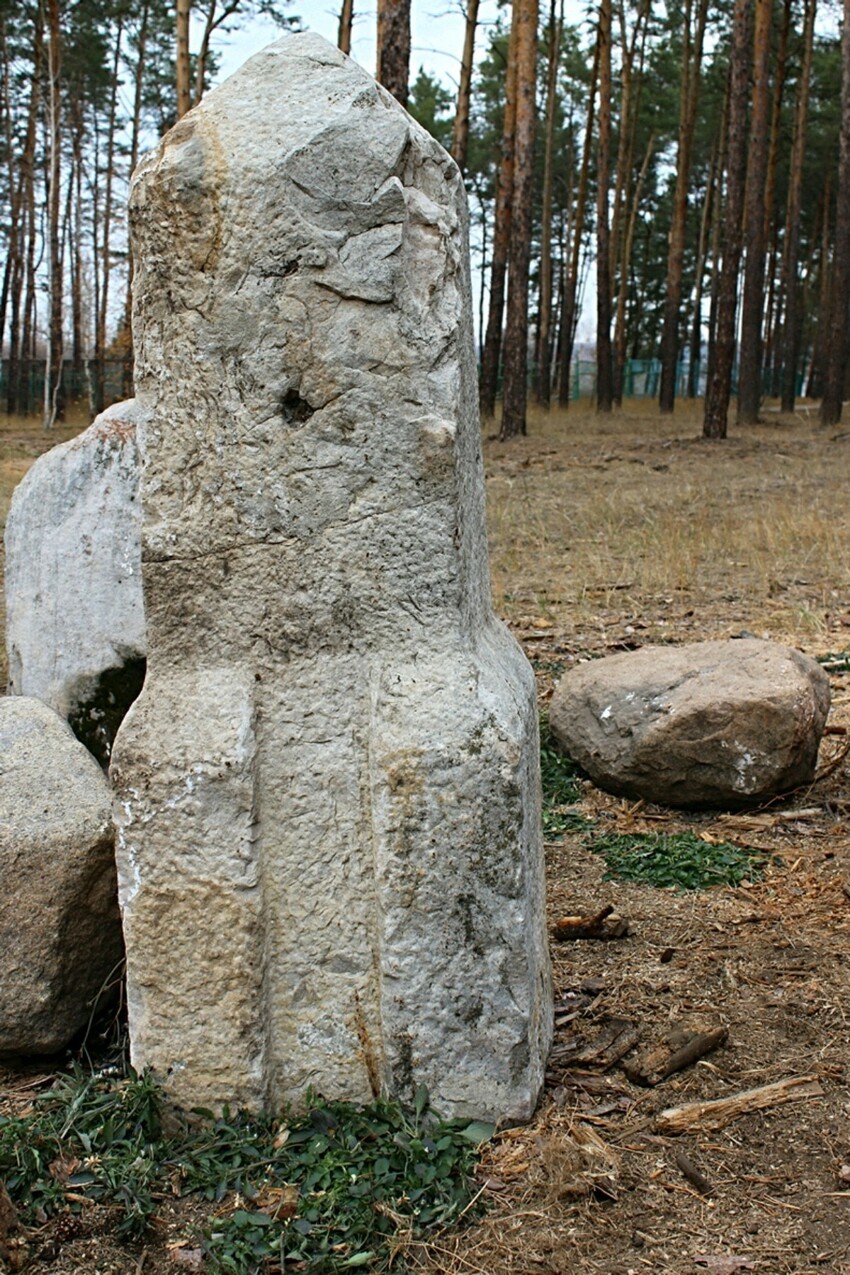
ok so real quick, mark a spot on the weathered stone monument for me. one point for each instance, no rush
(329, 850)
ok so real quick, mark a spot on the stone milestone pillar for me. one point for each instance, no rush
(328, 797)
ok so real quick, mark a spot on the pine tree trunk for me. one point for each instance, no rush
(625, 266)
(568, 307)
(749, 376)
(23, 268)
(393, 69)
(53, 396)
(604, 367)
(790, 333)
(184, 91)
(719, 388)
(346, 22)
(460, 129)
(691, 68)
(835, 353)
(699, 274)
(103, 309)
(544, 344)
(501, 240)
(515, 389)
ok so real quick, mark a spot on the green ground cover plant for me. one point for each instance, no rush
(678, 860)
(560, 780)
(337, 1188)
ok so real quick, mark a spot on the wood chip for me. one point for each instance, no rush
(616, 1038)
(718, 1112)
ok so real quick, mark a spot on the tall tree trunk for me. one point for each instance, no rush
(699, 274)
(790, 332)
(689, 96)
(135, 133)
(394, 47)
(346, 22)
(23, 268)
(460, 129)
(184, 91)
(501, 239)
(719, 387)
(76, 254)
(604, 367)
(544, 344)
(814, 387)
(620, 333)
(103, 309)
(568, 306)
(515, 389)
(835, 360)
(749, 376)
(53, 392)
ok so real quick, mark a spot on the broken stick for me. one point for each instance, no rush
(720, 1111)
(660, 1062)
(591, 927)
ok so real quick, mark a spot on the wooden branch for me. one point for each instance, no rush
(661, 1061)
(591, 927)
(720, 1111)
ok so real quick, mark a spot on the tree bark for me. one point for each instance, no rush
(346, 22)
(184, 92)
(749, 375)
(515, 389)
(699, 273)
(501, 239)
(790, 332)
(460, 129)
(53, 395)
(393, 69)
(835, 360)
(689, 95)
(604, 367)
(719, 386)
(544, 344)
(568, 305)
(625, 266)
(103, 309)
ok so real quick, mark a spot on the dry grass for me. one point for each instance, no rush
(639, 516)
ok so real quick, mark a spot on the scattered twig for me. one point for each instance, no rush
(692, 1173)
(720, 1111)
(615, 1040)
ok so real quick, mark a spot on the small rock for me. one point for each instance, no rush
(707, 724)
(60, 932)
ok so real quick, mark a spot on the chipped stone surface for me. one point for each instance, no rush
(75, 625)
(330, 854)
(725, 724)
(60, 932)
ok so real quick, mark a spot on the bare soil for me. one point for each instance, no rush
(608, 534)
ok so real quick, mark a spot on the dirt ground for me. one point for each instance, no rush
(607, 535)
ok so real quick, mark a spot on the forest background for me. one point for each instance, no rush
(692, 160)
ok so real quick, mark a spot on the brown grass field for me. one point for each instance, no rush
(607, 534)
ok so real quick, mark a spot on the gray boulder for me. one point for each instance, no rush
(708, 724)
(60, 932)
(75, 623)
